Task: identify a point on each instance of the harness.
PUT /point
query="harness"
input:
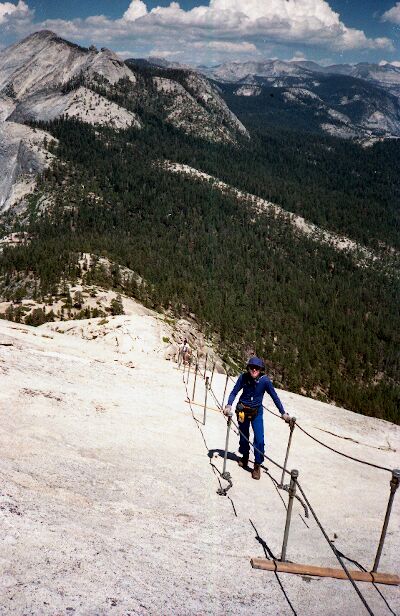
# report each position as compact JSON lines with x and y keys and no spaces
{"x":244,"y":412}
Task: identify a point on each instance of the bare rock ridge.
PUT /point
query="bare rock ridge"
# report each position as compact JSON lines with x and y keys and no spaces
{"x":44,"y":77}
{"x":38,"y":74}
{"x":109,"y":497}
{"x":361,"y":255}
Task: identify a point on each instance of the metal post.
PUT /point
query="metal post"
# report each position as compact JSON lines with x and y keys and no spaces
{"x":292,"y":423}
{"x":205,"y":365}
{"x":292,"y":491}
{"x":195,"y":378}
{"x":212,"y":374}
{"x":228,"y":427}
{"x":394,"y":484}
{"x":226,"y":385}
{"x":188,"y":374}
{"x":205,"y":402}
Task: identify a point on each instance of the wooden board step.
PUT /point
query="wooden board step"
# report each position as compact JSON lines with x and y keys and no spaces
{"x":339,"y":574}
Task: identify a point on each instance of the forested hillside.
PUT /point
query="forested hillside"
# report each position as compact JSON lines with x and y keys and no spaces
{"x":328,"y":327}
{"x":332,"y":182}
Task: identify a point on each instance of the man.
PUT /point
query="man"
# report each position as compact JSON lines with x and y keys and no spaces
{"x":249,"y":409}
{"x":185,"y":352}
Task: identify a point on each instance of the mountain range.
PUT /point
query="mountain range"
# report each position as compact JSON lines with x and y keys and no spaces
{"x":361,"y":101}
{"x":387,"y":76}
{"x":349,"y":101}
{"x":44,"y":77}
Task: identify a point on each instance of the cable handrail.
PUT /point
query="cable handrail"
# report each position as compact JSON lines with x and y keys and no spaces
{"x":340,"y":453}
{"x":324,"y":533}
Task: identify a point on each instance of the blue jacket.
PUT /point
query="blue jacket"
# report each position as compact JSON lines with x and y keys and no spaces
{"x":254,"y":390}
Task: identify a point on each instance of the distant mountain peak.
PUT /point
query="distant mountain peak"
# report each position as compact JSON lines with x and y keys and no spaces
{"x":41,"y":34}
{"x":48,"y":36}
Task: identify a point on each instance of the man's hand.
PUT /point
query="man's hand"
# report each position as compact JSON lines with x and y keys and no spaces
{"x":228,"y":410}
{"x":286,"y":417}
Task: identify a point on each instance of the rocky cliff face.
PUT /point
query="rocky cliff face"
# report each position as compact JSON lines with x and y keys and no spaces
{"x":22,"y":156}
{"x":45,"y":77}
{"x":45,"y":61}
{"x":32,"y":75}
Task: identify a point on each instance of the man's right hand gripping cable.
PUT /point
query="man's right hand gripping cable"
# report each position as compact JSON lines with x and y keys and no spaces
{"x":228,"y":410}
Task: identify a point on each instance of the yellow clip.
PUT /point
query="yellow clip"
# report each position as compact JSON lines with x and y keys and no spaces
{"x":241,"y":416}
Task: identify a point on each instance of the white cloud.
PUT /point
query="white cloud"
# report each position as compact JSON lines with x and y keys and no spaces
{"x":392,"y":14}
{"x":310,"y":22}
{"x":12,"y":13}
{"x":136,"y":9}
{"x":219,"y":27}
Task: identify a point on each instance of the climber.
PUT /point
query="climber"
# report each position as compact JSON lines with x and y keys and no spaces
{"x":254,"y":384}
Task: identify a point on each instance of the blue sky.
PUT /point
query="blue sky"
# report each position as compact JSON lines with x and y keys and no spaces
{"x":211,"y":31}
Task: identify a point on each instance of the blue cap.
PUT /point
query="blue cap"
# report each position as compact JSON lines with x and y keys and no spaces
{"x":257,"y":362}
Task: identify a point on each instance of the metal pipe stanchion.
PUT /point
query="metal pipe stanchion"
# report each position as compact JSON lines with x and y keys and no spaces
{"x":292,"y":424}
{"x":195,"y":378}
{"x":188,"y":373}
{"x":394,"y":484}
{"x":228,"y":427}
{"x":205,"y":402}
{"x":292,"y":491}
{"x":226,"y":385}
{"x":212,"y":374}
{"x":205,"y":365}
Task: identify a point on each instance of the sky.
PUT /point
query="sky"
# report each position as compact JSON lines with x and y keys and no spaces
{"x":215,"y":31}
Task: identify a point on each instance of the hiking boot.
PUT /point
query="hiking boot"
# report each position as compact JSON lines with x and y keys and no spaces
{"x":256,"y":472}
{"x":243,"y":462}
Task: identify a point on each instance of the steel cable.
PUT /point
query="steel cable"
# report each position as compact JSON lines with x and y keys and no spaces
{"x":359,"y":593}
{"x":345,"y":455}
{"x":340,"y":453}
{"x":336,"y":553}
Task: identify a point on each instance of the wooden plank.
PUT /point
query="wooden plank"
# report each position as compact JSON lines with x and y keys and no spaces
{"x":339,"y":574}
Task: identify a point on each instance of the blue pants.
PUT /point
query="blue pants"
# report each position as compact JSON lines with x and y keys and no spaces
{"x":258,"y":428}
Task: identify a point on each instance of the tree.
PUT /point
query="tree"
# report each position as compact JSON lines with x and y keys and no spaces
{"x":78,"y":299}
{"x":36,"y":318}
{"x":116,"y":306}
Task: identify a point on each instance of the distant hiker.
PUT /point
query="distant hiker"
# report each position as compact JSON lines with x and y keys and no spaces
{"x":185,"y":352}
{"x":249,"y":409}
